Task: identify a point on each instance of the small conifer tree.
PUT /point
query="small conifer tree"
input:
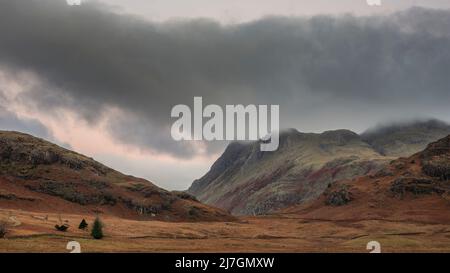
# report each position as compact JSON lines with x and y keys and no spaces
{"x":97,"y":229}
{"x":83,"y":225}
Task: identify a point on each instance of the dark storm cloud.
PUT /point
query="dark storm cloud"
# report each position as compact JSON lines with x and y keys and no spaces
{"x":91,"y":58}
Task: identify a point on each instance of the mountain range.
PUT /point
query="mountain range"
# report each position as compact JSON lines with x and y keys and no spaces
{"x":403,"y":203}
{"x":36,"y":175}
{"x":246,"y":181}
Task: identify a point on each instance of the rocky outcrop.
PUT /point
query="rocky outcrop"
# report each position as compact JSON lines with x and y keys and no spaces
{"x":437,"y":168}
{"x":339,"y":197}
{"x":416,"y":186}
{"x":436,"y":159}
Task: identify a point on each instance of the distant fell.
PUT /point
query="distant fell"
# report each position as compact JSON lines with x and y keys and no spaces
{"x":36,"y":175}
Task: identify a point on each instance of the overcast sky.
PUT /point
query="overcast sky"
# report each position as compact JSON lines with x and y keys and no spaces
{"x":101,"y":78}
{"x":238,"y":11}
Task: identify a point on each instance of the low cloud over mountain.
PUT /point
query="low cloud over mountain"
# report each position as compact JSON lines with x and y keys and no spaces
{"x":321,"y":70}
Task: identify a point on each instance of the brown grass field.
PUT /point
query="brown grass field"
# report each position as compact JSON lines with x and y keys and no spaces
{"x":281,"y":233}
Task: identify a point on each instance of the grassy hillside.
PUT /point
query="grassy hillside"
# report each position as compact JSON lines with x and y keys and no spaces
{"x":37,"y":175}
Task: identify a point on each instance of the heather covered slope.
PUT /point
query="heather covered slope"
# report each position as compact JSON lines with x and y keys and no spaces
{"x":36,"y":175}
{"x":416,"y":188}
{"x":246,"y":181}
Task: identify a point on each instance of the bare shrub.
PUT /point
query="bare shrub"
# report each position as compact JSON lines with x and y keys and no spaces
{"x":62,"y":228}
{"x":4,"y":228}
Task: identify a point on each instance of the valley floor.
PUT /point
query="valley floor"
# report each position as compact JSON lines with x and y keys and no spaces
{"x":283,"y":233}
